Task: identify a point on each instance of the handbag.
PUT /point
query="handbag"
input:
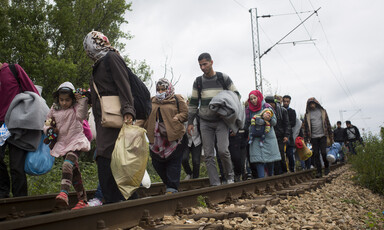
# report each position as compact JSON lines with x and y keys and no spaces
{"x":111,"y":116}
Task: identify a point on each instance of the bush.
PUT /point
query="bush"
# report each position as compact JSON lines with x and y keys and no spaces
{"x":369,"y":164}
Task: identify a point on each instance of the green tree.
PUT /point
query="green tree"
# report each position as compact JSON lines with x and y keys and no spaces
{"x":46,"y":38}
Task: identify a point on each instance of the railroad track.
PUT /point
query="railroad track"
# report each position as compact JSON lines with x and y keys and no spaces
{"x":36,"y":212}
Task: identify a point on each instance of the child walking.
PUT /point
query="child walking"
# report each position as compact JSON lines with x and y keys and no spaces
{"x":68,"y":111}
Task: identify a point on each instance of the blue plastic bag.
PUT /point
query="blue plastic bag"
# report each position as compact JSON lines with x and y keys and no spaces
{"x":40,"y":161}
{"x":333,"y":151}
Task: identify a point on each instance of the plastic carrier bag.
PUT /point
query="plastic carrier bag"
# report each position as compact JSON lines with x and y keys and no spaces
{"x":303,"y":151}
{"x":333,"y":151}
{"x":129,"y":158}
{"x":40,"y":161}
{"x":4,"y":134}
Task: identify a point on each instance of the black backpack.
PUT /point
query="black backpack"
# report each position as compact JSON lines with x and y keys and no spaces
{"x":140,"y":93}
{"x":199,"y":81}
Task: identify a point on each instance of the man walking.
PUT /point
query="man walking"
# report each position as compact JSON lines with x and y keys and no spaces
{"x":13,"y":80}
{"x":282,"y":130}
{"x":317,"y":131}
{"x":352,"y":136}
{"x":292,"y":123}
{"x":212,"y":126}
{"x":339,"y":136}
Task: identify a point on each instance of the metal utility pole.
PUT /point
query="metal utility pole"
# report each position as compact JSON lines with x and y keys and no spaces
{"x":256,"y":50}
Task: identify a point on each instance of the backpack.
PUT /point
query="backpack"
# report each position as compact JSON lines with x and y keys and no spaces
{"x":140,"y":93}
{"x":199,"y":81}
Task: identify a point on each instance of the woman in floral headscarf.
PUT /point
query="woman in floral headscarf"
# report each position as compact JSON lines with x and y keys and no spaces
{"x":262,"y":157}
{"x":166,"y":133}
{"x":111,"y":78}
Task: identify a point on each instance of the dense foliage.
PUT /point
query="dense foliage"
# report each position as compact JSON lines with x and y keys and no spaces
{"x":369,"y":164}
{"x":46,"y":38}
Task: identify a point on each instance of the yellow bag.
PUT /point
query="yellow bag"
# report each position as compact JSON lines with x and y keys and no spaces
{"x":304,"y":153}
{"x":129,"y":158}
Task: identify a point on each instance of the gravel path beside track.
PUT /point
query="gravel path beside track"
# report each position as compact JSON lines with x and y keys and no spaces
{"x":340,"y":204}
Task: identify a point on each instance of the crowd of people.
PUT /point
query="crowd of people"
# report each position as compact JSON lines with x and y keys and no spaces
{"x":236,"y":141}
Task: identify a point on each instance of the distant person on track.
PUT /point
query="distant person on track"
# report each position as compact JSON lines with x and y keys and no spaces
{"x":352,"y":137}
{"x":291,"y":141}
{"x":262,"y":157}
{"x":282,"y":131}
{"x":68,"y":111}
{"x":166,"y":134}
{"x":9,"y":88}
{"x":340,"y":136}
{"x":212,"y":126}
{"x":318,"y":131}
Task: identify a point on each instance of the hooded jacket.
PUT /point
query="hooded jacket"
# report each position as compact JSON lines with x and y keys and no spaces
{"x":325,"y":121}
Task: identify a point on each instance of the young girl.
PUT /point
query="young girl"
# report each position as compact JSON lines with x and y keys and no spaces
{"x":69,"y":111}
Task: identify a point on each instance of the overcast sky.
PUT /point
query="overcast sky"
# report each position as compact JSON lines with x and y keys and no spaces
{"x":342,"y":68}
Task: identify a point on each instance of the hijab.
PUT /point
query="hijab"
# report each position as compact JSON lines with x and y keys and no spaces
{"x":257,"y":107}
{"x":97,"y":45}
{"x":170,"y":91}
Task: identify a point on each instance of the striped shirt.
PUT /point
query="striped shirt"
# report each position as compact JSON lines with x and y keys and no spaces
{"x":210,"y":87}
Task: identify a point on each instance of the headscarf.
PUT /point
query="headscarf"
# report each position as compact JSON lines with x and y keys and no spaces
{"x":97,"y":45}
{"x":170,"y":91}
{"x":257,"y":107}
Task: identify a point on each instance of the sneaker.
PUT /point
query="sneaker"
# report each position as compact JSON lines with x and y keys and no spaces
{"x":188,"y":177}
{"x":230,"y":181}
{"x":81,"y":204}
{"x":62,"y":200}
{"x":94,"y":202}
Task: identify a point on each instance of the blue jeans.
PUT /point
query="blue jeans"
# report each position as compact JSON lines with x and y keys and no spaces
{"x":291,"y":158}
{"x":196,"y":154}
{"x":261,"y":168}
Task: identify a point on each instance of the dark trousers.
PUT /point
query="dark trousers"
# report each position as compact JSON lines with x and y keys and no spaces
{"x":169,"y":169}
{"x":107,"y":182}
{"x":237,"y":154}
{"x":318,"y":148}
{"x":18,"y":178}
{"x":291,"y":158}
{"x":280,"y":166}
{"x":196,"y":155}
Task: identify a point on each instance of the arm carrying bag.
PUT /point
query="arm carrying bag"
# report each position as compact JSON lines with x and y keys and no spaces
{"x":111,"y":116}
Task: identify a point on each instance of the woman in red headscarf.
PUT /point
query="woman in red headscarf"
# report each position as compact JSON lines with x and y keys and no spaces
{"x":261,"y":157}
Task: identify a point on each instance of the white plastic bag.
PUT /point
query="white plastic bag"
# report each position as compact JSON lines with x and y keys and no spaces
{"x":146,"y":182}
{"x":129,"y":158}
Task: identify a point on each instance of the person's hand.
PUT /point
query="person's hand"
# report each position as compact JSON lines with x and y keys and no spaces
{"x":78,"y":96}
{"x":267,"y":116}
{"x":175,"y":118}
{"x":231,"y":133}
{"x":285,"y":139}
{"x":190,"y":130}
{"x":128,"y":118}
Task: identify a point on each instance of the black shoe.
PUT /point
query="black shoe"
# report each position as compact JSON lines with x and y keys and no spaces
{"x":326,"y":171}
{"x":319,"y":175}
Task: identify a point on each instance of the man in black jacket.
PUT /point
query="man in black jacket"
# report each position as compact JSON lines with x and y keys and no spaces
{"x":282,"y":130}
{"x":339,"y":136}
{"x":353,"y":135}
{"x":292,"y":123}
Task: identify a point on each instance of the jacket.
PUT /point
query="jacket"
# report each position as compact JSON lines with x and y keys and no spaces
{"x":339,"y":135}
{"x":292,"y":122}
{"x":228,"y":106}
{"x":352,"y":134}
{"x":325,"y":121}
{"x":116,"y":83}
{"x":283,"y":127}
{"x":25,"y":120}
{"x":168,"y":109}
{"x":9,"y":87}
{"x":69,"y":122}
{"x":269,"y":152}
